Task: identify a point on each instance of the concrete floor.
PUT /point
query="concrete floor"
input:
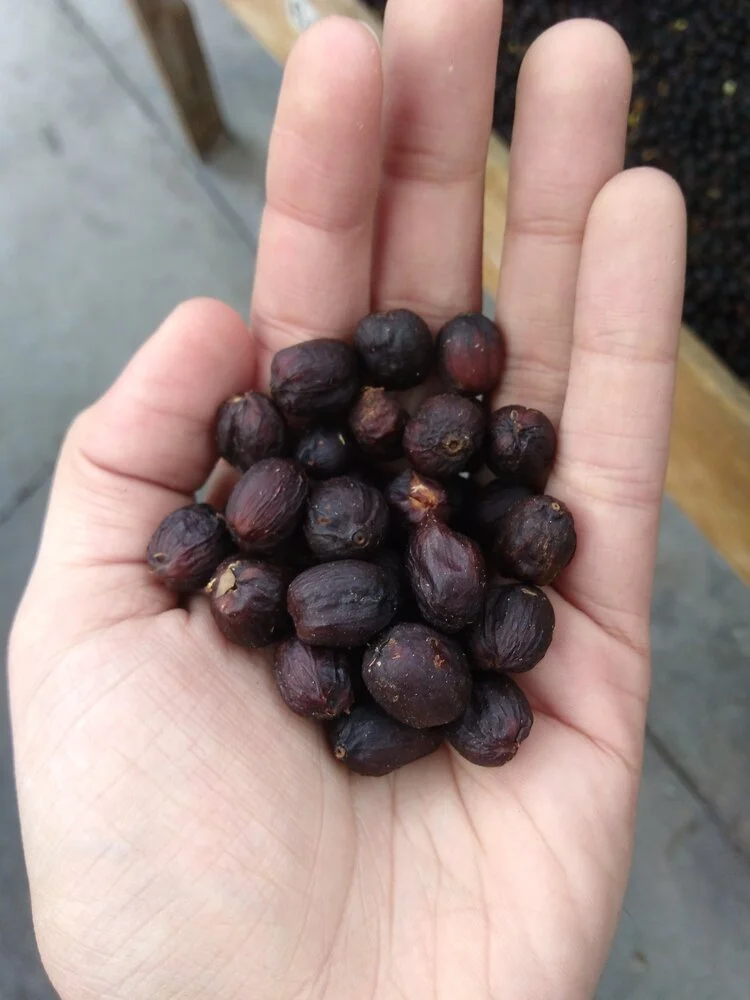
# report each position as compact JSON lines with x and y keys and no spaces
{"x":107,"y":221}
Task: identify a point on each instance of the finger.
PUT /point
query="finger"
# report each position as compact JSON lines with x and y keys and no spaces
{"x":313,"y":271}
{"x":439,"y":63}
{"x":220,"y":483}
{"x":148,"y":443}
{"x":614,"y":432}
{"x":568,"y":141}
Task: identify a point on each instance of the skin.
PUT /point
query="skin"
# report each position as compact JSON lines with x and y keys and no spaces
{"x":185,"y":834}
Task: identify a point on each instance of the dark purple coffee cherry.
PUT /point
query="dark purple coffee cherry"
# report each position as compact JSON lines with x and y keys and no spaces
{"x":447,"y":575}
{"x":248,"y":602}
{"x":266,"y":505}
{"x":413,"y":498}
{"x":536,"y":540}
{"x":370,"y":742}
{"x":444,"y":435}
{"x":345,"y":519}
{"x":248,"y":429}
{"x":313,"y":681}
{"x":515,"y":630}
{"x":470,"y":354}
{"x":187,"y":547}
{"x":417,"y":675}
{"x":377,"y":422}
{"x":521,"y":446}
{"x":396,"y":348}
{"x":324,"y":452}
{"x":341,"y":604}
{"x":497,"y":721}
{"x":315,"y":379}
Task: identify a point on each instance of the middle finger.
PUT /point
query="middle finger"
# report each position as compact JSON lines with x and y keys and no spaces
{"x":439,"y":64}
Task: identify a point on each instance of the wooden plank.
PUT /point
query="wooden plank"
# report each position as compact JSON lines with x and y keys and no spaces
{"x":709,"y":467}
{"x":277,"y":23}
{"x":169,"y":29}
{"x":709,"y":460}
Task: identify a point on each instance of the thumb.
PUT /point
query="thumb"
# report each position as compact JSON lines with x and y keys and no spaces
{"x":136,"y":454}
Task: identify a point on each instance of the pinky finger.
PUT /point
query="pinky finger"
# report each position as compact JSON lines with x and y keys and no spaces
{"x":614,"y":433}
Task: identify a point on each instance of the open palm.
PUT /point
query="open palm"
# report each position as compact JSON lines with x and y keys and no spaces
{"x":185,"y":835}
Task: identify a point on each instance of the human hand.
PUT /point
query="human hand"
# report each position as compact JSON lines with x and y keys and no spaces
{"x":185,"y":835}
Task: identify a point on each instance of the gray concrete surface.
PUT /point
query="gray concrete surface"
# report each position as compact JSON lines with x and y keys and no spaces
{"x":106,"y":221}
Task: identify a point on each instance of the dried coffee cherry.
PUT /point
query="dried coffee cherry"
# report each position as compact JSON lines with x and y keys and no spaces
{"x":345,"y":519}
{"x":447,"y":575}
{"x":341,"y":604}
{"x":267,"y":503}
{"x":315,"y":379}
{"x":536,"y":540}
{"x":521,"y":446}
{"x":396,"y":348}
{"x":417,"y":675}
{"x":495,"y":724}
{"x":444,"y":435}
{"x":377,"y":422}
{"x":413,"y":497}
{"x":187,"y":547}
{"x":324,"y":452}
{"x":248,"y":429}
{"x":313,"y":681}
{"x":515,"y":630}
{"x":470,"y":354}
{"x":248,"y":602}
{"x":370,"y":742}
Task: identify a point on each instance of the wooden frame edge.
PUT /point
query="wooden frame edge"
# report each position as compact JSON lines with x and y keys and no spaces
{"x":169,"y":29}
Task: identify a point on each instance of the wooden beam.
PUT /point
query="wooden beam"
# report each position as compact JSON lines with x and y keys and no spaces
{"x":709,"y":459}
{"x":709,"y":466}
{"x":169,"y":29}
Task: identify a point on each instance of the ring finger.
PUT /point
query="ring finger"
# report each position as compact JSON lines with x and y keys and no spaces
{"x":568,"y":141}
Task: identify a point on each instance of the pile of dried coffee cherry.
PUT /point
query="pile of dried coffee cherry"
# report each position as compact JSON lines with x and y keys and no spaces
{"x":369,"y":572}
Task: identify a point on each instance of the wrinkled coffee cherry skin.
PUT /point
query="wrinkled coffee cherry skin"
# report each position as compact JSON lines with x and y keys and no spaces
{"x":417,"y":675}
{"x":444,"y":435}
{"x":413,"y":497}
{"x":396,"y":348}
{"x":447,"y":574}
{"x":536,"y":540}
{"x":489,"y":507}
{"x":187,"y":547}
{"x":521,"y":446}
{"x":248,"y":429}
{"x":248,"y":602}
{"x":341,"y":604}
{"x":370,"y":742}
{"x":497,"y":721}
{"x":324,"y":452}
{"x":314,"y":682}
{"x":470,"y":354}
{"x":345,"y":519}
{"x":315,"y":379}
{"x":267,"y":503}
{"x":515,"y":630}
{"x":377,"y":422}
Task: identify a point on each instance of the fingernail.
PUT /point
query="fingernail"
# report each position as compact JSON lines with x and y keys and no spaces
{"x":371,"y":29}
